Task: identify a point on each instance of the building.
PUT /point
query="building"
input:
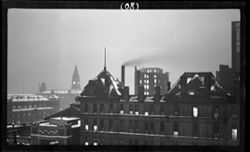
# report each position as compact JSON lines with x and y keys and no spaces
{"x":236,"y":53}
{"x":67,"y":96}
{"x":29,"y":108}
{"x":196,"y":111}
{"x":56,"y":131}
{"x":149,"y":78}
{"x":75,"y":80}
{"x":225,"y":78}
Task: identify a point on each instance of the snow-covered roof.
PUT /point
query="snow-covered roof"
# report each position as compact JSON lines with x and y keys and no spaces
{"x":103,"y":85}
{"x":196,"y":81}
{"x":26,"y":97}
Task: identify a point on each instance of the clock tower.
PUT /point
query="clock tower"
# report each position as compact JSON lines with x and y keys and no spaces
{"x":75,"y":80}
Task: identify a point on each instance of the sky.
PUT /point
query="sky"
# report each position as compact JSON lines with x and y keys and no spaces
{"x":44,"y":45}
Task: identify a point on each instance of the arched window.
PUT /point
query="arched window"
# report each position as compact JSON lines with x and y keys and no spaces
{"x":216,"y":112}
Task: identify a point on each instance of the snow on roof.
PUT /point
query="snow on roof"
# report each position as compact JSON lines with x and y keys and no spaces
{"x":26,"y":97}
{"x":65,"y":118}
{"x":77,"y":125}
{"x":47,"y":124}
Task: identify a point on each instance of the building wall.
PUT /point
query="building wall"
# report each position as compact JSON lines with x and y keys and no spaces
{"x":30,"y":111}
{"x":149,"y":78}
{"x":159,"y":125}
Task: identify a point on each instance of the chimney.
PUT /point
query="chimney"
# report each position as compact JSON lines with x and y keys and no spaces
{"x":183,"y":83}
{"x":169,"y":85}
{"x":141,"y":93}
{"x":157,"y":95}
{"x":126,"y":93}
{"x":123,"y":75}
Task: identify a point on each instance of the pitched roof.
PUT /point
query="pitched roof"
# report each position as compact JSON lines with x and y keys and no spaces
{"x":197,"y":82}
{"x":104,"y":85}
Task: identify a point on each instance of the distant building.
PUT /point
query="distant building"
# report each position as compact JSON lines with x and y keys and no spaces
{"x":75,"y":80}
{"x":56,"y":131}
{"x":149,"y":78}
{"x":43,"y":87}
{"x":225,"y":78}
{"x":28,"y":108}
{"x":67,"y":96}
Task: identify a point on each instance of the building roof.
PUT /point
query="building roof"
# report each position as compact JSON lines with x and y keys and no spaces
{"x":73,"y":111}
{"x":104,"y":85}
{"x":193,"y":82}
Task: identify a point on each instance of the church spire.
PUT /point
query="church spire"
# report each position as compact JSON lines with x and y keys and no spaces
{"x":75,"y":80}
{"x":105,"y":59}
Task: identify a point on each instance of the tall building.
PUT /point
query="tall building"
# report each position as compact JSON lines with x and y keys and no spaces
{"x":149,"y":78}
{"x":236,"y":51}
{"x":236,"y":46}
{"x":75,"y":80}
{"x":225,"y":78}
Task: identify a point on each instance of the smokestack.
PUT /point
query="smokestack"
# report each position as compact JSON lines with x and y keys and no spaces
{"x":141,"y":93}
{"x":123,"y":75}
{"x":183,"y":83}
{"x":157,"y":95}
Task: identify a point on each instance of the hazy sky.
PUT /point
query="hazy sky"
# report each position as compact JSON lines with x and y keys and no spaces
{"x":44,"y":45}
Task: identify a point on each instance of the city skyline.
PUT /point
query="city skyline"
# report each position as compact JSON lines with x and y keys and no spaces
{"x":45,"y":46}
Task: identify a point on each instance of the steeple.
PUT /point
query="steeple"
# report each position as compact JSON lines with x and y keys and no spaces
{"x":105,"y":59}
{"x":75,"y":80}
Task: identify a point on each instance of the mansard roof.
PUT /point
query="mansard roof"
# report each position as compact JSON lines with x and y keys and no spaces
{"x":103,"y":85}
{"x":197,"y":83}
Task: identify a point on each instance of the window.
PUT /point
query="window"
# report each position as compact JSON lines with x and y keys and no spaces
{"x":234,"y":134}
{"x":195,"y":129}
{"x":152,"y":127}
{"x":95,"y":143}
{"x":130,"y":125}
{"x":86,"y":124}
{"x":95,"y":125}
{"x":145,"y":76}
{"x":234,"y":112}
{"x":176,"y":129}
{"x":191,"y":92}
{"x":110,"y":124}
{"x":136,"y":109}
{"x":110,"y":108}
{"x":101,"y":124}
{"x":101,"y":108}
{"x":155,"y":81}
{"x":121,"y":124}
{"x":195,"y":112}
{"x":86,"y":107}
{"x":131,"y":109}
{"x":162,"y":127}
{"x":95,"y":108}
{"x":146,"y":126}
{"x":146,"y":113}
{"x":154,"y":76}
{"x":216,"y":112}
{"x":152,"y":109}
{"x":216,"y":130}
{"x":176,"y":110}
{"x":162,"y":109}
{"x":86,"y":143}
{"x":140,"y":81}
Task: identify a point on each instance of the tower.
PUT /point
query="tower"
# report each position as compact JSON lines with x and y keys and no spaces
{"x":75,"y":80}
